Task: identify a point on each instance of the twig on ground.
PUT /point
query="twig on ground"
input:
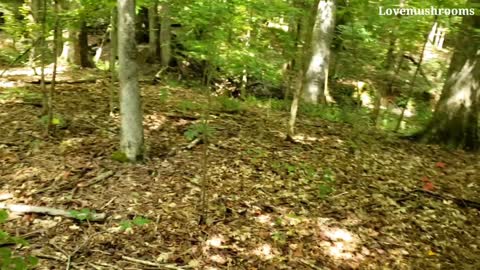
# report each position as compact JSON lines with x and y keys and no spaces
{"x":166,"y":266}
{"x":105,"y":265}
{"x":98,"y":179}
{"x":70,"y":256}
{"x":193,"y":143}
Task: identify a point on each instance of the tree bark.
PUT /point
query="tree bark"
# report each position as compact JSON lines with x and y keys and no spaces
{"x":85,"y":60}
{"x":113,"y":57}
{"x":130,"y":101}
{"x":455,"y":120}
{"x":153,"y":31}
{"x":322,"y":35}
{"x":165,"y":36}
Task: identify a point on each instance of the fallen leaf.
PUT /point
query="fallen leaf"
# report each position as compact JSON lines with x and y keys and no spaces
{"x":440,"y":165}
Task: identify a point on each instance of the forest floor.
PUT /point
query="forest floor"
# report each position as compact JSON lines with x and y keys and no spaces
{"x":343,"y":197}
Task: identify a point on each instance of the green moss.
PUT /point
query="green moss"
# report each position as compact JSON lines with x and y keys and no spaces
{"x":119,"y":156}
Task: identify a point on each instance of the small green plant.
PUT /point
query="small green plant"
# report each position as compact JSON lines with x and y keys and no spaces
{"x":163,"y":95}
{"x":257,"y":154}
{"x":325,"y":187}
{"x":279,"y":237}
{"x":291,"y":168}
{"x":230,"y":105}
{"x":119,"y":156}
{"x":199,"y":130}
{"x":187,"y":106}
{"x":58,"y":121}
{"x":21,"y":93}
{"x":82,"y":215}
{"x":8,"y":261}
{"x":137,"y":221}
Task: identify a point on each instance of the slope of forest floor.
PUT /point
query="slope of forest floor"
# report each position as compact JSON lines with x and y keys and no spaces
{"x":342,"y":198}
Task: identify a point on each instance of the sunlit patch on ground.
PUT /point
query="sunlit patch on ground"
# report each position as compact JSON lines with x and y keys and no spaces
{"x":154,"y":121}
{"x":264,"y":252}
{"x":338,"y":243}
{"x":264,"y":219}
{"x":215,"y":241}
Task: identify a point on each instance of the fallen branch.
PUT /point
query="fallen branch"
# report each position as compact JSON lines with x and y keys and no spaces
{"x":166,"y":266}
{"x":23,"y":208}
{"x":459,"y":201}
{"x":93,"y":80}
{"x":5,"y":196}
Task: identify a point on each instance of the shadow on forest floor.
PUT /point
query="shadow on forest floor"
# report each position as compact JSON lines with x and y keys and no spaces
{"x":341,"y":199}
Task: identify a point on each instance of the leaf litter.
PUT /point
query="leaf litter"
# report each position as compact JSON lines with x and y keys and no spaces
{"x":340,"y":199}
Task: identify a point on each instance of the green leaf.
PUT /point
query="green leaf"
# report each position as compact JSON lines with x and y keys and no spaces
{"x":5,"y":253}
{"x":56,"y":121}
{"x":125,"y":224}
{"x":3,"y":216}
{"x":140,"y":221}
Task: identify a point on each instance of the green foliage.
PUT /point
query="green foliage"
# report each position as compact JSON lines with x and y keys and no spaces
{"x":199,"y":130}
{"x":137,"y":221}
{"x":256,"y":155}
{"x":18,"y":93}
{"x":272,"y":103}
{"x":82,"y":215}
{"x":230,"y":105}
{"x":279,"y":237}
{"x":325,"y":187}
{"x":119,"y":156}
{"x":58,"y":121}
{"x":187,"y":106}
{"x":163,"y":95}
{"x":8,"y":260}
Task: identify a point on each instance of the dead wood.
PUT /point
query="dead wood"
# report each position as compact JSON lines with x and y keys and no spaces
{"x":23,"y":208}
{"x":459,"y":201}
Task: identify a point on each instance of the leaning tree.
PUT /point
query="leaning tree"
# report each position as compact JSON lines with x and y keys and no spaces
{"x":455,"y":120}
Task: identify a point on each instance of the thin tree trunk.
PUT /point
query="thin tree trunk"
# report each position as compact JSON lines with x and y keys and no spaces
{"x":165,"y":36}
{"x":302,"y":53}
{"x":43,"y":60}
{"x":294,"y":109}
{"x":35,"y":19}
{"x":113,"y":57}
{"x":130,"y":100}
{"x":153,"y":32}
{"x":56,"y":45}
{"x":414,"y":79}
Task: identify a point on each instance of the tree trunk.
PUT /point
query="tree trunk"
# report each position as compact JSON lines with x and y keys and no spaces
{"x":153,"y":32}
{"x":35,"y":9}
{"x":83,"y":50}
{"x":43,"y":57}
{"x":113,"y":56}
{"x":56,"y":46}
{"x":130,"y":102}
{"x":455,"y":121}
{"x":322,"y":35}
{"x":165,"y":36}
{"x":301,"y":54}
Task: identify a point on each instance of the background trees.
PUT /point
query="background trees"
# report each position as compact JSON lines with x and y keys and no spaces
{"x":361,"y":63}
